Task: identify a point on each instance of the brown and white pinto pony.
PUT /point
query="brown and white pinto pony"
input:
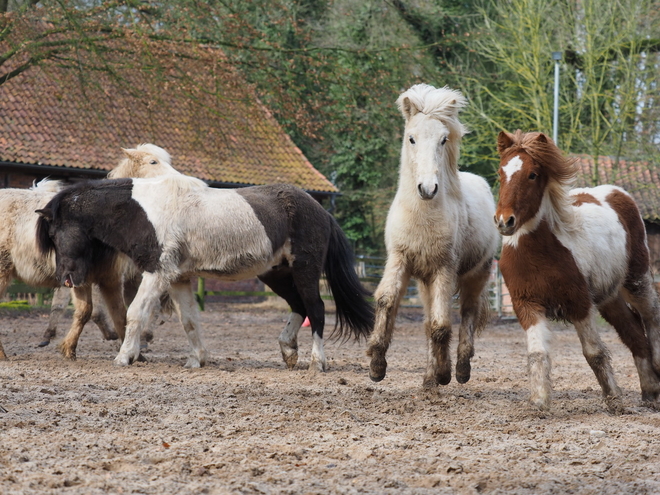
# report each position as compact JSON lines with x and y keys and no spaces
{"x":439,"y":232}
{"x":569,"y":254}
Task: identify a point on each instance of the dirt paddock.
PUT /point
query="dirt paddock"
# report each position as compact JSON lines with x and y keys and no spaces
{"x":245,"y":424}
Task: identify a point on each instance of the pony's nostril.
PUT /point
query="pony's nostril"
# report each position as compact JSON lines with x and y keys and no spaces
{"x":495,"y":219}
{"x":419,"y":188}
{"x":511,"y":221}
{"x":435,"y":190}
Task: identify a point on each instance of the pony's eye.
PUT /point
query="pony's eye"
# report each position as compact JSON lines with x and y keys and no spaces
{"x":153,"y":162}
{"x":532,"y":176}
{"x":412,"y":140}
{"x":444,"y":140}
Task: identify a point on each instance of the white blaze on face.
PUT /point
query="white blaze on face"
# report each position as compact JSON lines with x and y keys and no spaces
{"x":514,"y":165}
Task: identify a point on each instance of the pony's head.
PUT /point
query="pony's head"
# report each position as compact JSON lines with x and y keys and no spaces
{"x":432,"y":137}
{"x":534,"y":180}
{"x":76,"y":252}
{"x":147,"y":160}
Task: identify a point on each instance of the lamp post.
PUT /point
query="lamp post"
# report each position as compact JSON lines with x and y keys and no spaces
{"x":556,"y":56}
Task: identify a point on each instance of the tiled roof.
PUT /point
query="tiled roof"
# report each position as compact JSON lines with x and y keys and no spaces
{"x":640,"y":179}
{"x":215,"y":128}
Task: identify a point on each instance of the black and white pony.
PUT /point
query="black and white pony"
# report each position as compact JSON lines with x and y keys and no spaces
{"x":176,"y":227}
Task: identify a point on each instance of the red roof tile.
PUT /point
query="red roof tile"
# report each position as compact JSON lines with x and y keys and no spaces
{"x":637,"y":177}
{"x":201,"y":112}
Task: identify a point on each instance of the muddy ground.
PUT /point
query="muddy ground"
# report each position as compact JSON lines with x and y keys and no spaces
{"x":245,"y":424}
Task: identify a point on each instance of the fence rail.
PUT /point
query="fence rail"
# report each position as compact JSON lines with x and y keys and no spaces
{"x":369,"y":269}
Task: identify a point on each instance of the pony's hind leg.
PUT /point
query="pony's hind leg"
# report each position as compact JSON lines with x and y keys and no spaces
{"x":307,"y":285}
{"x":629,"y":326}
{"x":643,"y":297}
{"x":281,"y":282}
{"x":82,"y":312}
{"x":186,"y":307}
{"x":600,"y":361}
{"x":475,"y":307}
{"x":437,"y":297}
{"x":387,"y":296}
{"x":61,"y":299}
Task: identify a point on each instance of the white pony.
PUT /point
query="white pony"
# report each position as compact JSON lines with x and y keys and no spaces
{"x":439,"y":231}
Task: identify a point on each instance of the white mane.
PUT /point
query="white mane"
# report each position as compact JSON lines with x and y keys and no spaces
{"x":47,"y":185}
{"x":157,"y":151}
{"x":440,"y":103}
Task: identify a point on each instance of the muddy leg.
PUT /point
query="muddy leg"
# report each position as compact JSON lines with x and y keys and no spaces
{"x":82,"y":304}
{"x":188,"y":311}
{"x":475,"y":307}
{"x":388,"y":296}
{"x":61,"y":299}
{"x":538,"y":361}
{"x":100,"y":315}
{"x":281,"y":282}
{"x":631,"y":331}
{"x":599,"y":359}
{"x":437,"y":297}
{"x":306,"y":280}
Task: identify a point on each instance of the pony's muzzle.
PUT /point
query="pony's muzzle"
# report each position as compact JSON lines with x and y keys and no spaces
{"x":506,"y":228}
{"x":425,"y":194}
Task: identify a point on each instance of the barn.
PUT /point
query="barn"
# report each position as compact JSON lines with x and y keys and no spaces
{"x":56,"y":123}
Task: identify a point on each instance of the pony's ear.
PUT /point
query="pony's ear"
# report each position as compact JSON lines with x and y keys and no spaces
{"x":46,"y":213}
{"x":128,"y":152}
{"x":504,"y":142}
{"x":542,"y":138}
{"x":408,"y":109}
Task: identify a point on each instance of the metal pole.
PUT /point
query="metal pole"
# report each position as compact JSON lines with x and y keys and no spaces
{"x":555,"y":119}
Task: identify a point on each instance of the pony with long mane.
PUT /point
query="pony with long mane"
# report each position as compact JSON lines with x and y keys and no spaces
{"x":569,"y":254}
{"x":439,"y":232}
{"x":175,"y":227}
{"x":21,"y":258}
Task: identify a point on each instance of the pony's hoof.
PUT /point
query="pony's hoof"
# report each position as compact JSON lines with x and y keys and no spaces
{"x":290,"y":360}
{"x":43,"y":343}
{"x":67,"y":353}
{"x":111,"y":336}
{"x":317,"y":367}
{"x":377,"y":369}
{"x":614,"y":405}
{"x":463,"y":371}
{"x":121,"y":361}
{"x":540,"y":404}
{"x":192,"y":363}
{"x":429,"y":383}
{"x":141,"y":359}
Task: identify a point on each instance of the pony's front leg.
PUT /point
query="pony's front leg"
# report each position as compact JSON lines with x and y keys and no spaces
{"x":437,"y":297}
{"x":388,"y":296}
{"x":188,"y":311}
{"x":538,"y":356}
{"x":82,"y":302}
{"x":139,"y":315}
{"x":599,"y":359}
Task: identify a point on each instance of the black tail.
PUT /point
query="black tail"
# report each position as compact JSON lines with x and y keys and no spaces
{"x":354,"y":312}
